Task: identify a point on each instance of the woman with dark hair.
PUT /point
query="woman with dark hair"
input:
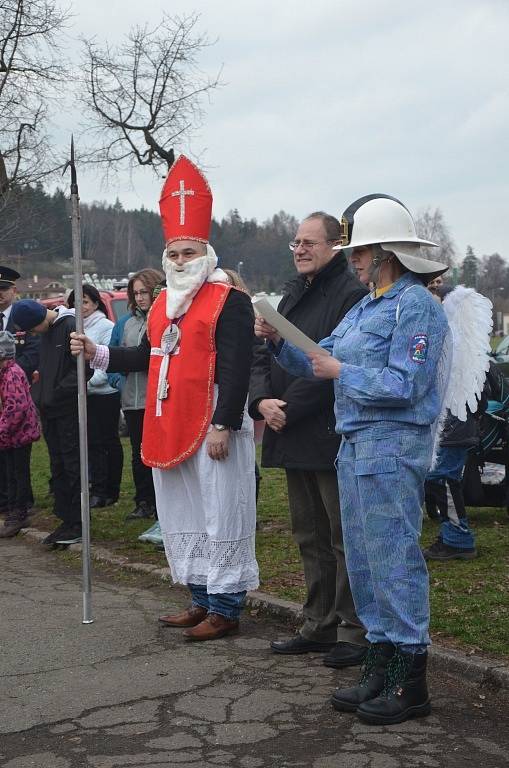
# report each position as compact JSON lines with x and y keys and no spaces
{"x":129,"y":331}
{"x":103,"y":405}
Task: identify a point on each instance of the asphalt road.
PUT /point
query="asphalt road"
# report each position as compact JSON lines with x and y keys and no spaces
{"x":125,"y":692}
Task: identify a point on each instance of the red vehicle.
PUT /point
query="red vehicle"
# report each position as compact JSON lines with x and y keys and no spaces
{"x":115,"y":301}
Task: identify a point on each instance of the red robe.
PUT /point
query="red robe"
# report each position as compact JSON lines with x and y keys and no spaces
{"x":175,"y":435}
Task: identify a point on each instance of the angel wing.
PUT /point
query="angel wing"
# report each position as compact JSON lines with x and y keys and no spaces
{"x":464,"y":361}
{"x":470,"y":321}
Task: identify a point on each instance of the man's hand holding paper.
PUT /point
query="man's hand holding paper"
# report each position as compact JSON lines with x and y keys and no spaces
{"x":263,"y":330}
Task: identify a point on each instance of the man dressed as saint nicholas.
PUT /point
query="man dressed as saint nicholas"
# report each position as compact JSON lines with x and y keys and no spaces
{"x":197,"y":436}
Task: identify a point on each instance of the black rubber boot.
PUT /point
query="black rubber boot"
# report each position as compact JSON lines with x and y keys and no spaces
{"x":371,"y":681}
{"x":405,"y":692}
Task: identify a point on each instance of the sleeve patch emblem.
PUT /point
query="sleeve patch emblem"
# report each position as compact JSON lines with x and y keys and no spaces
{"x":419,"y":348}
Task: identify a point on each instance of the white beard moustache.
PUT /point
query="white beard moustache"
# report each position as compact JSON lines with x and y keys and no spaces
{"x":184,"y":282}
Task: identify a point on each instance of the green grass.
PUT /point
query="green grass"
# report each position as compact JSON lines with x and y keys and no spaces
{"x":108,"y":526}
{"x":469,"y":599}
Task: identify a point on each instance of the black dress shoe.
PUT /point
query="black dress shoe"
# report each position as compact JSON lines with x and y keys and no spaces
{"x":99,"y":501}
{"x":345,"y":655}
{"x":142,"y":511}
{"x":299,"y":644}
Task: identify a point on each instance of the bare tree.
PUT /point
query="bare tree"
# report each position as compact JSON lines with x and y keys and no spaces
{"x":430,"y":225}
{"x":145,"y":96}
{"x":31,"y":70}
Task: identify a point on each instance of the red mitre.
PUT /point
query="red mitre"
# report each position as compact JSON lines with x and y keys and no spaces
{"x":186,"y":203}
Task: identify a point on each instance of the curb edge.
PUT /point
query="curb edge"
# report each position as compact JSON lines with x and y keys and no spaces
{"x":474,"y":668}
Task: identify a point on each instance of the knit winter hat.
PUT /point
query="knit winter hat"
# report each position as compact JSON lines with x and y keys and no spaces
{"x":7,"y":346}
{"x":27,"y":313}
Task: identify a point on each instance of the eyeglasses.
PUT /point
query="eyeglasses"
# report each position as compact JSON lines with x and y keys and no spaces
{"x":307,"y":244}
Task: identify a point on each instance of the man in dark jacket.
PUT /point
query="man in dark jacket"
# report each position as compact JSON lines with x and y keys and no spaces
{"x":300,"y":437}
{"x":27,"y":347}
{"x":27,"y":353}
{"x":57,"y":399}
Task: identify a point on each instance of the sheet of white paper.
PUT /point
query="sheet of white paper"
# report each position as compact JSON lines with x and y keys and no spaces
{"x":285,"y":328}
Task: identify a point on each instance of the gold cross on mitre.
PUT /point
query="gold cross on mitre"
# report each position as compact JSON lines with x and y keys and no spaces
{"x":181,"y":193}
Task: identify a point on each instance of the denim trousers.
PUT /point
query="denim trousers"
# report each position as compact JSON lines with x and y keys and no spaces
{"x":381,"y":476}
{"x":227,"y":604}
{"x":444,"y":490}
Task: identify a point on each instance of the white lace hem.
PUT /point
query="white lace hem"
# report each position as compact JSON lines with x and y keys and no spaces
{"x":221,"y":566}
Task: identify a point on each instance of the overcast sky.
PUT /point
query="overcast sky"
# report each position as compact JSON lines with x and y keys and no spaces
{"x":329,"y":100}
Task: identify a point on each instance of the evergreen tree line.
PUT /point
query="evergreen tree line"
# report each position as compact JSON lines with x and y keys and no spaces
{"x":488,"y":274}
{"x":35,"y":234}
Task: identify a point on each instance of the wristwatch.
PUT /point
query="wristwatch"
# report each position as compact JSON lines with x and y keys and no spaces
{"x":220,"y":427}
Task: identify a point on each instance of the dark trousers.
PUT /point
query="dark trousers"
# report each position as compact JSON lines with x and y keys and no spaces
{"x":17,"y":465}
{"x":4,"y":482}
{"x":316,"y":525}
{"x":106,"y":457}
{"x":142,"y":475}
{"x":62,"y":438}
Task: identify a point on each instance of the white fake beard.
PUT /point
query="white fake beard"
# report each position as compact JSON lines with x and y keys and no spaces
{"x":184,"y":282}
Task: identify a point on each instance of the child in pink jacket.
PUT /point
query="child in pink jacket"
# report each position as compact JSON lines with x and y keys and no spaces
{"x":19,"y":428}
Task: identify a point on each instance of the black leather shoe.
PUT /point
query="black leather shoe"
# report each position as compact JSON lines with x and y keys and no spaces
{"x":345,"y":655}
{"x":405,"y":692}
{"x":142,"y":511}
{"x":299,"y":644}
{"x":98,"y":501}
{"x":371,"y":682}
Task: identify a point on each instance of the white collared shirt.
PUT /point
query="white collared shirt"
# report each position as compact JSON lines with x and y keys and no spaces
{"x":7,"y":314}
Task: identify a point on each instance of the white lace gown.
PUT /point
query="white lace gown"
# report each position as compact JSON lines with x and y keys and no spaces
{"x":207,"y":514}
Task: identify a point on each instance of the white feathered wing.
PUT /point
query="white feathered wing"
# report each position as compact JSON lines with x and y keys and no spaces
{"x":465,"y":357}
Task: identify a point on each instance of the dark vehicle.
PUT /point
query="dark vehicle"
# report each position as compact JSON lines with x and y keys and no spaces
{"x":485,"y":480}
{"x":115,"y":301}
{"x":501,"y":355}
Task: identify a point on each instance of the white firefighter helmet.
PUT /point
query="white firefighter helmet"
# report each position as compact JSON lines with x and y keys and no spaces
{"x":385,"y":220}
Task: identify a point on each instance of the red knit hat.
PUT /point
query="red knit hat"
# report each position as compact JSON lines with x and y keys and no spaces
{"x":186,"y":203}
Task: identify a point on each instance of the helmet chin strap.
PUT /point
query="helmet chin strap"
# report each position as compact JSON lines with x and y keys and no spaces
{"x":380,"y":256}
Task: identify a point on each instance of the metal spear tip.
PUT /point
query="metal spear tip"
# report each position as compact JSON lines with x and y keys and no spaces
{"x":71,"y":164}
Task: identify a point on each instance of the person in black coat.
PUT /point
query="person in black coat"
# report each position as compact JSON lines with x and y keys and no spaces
{"x":27,"y":355}
{"x":300,"y":437}
{"x":57,"y":400}
{"x":232,"y":358}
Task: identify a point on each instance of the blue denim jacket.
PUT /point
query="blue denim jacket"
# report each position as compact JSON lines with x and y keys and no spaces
{"x":389,"y":348}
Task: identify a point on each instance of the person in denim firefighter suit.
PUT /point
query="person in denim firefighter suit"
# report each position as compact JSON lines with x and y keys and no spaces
{"x":383,"y":359}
